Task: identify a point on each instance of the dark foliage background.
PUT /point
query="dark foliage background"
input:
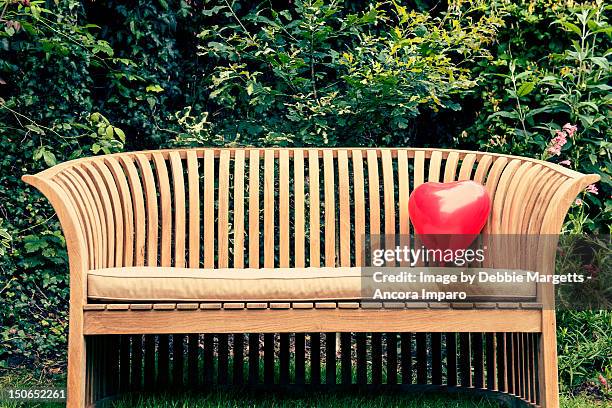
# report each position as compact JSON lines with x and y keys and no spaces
{"x":91,"y":77}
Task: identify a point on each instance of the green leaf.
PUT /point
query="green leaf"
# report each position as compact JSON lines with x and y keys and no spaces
{"x":49,"y":158}
{"x":525,"y":89}
{"x":119,"y":134}
{"x":154,"y":88}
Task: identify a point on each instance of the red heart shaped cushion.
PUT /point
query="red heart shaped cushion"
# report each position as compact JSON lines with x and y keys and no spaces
{"x":449,"y":215}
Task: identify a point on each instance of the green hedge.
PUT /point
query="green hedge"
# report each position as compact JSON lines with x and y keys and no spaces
{"x":83,"y":78}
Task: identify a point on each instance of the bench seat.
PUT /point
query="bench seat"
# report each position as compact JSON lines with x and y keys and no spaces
{"x":167,"y":284}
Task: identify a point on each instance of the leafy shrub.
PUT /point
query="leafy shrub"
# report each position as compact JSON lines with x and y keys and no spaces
{"x":531,"y":91}
{"x":318,"y":74}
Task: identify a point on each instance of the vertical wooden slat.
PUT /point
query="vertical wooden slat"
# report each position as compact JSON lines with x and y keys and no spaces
{"x":403,"y":181}
{"x":329,"y":208}
{"x":450,"y":167}
{"x":223,"y":210}
{"x":419,"y":168}
{"x":483,"y":168}
{"x":374,"y":198}
{"x":509,"y":353}
{"x":239,"y":209}
{"x":283,"y":208}
{"x":519,"y":363}
{"x":238,"y":361}
{"x":376,"y":358}
{"x":436,"y":358}
{"x":90,"y":213}
{"x":165,"y":204}
{"x":451,"y":359}
{"x":298,"y":207}
{"x":533,"y":358}
{"x":345,"y":358}
{"x":126,"y":205}
{"x":151,"y":208}
{"x":193,"y":180}
{"x":284,"y":245}
{"x":268,"y":202}
{"x":345,"y":210}
{"x":406,"y":357}
{"x":359,"y":198}
{"x":209,"y":208}
{"x":117,"y":208}
{"x":253,"y":209}
{"x":421,"y":349}
{"x":467,"y":166}
{"x":500,"y":343}
{"x":330,"y":358}
{"x":465,"y":361}
{"x":315,"y":358}
{"x":209,"y":362}
{"x":193,"y":351}
{"x":315,"y":212}
{"x":435,"y":164}
{"x":490,"y":360}
{"x":177,"y":360}
{"x":178,"y":185}
{"x":139,"y":209}
{"x":391,"y":358}
{"x":97,"y":184}
{"x":389,"y":199}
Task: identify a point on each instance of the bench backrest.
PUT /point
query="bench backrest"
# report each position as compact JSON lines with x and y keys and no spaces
{"x":220,"y":208}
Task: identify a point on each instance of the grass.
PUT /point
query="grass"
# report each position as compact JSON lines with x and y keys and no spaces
{"x":282,"y":400}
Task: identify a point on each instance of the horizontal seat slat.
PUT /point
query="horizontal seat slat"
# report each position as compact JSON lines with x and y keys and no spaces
{"x":238,"y":319}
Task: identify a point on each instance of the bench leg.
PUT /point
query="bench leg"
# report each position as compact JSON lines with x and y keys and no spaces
{"x":548,"y":375}
{"x":76,"y":362}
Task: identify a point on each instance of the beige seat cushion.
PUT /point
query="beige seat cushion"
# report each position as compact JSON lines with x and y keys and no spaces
{"x":184,"y":284}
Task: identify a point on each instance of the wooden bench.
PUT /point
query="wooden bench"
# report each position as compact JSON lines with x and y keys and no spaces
{"x":294,"y":208}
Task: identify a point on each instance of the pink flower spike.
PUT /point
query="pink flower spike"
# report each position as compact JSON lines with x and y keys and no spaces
{"x":570,"y":129}
{"x":578,"y":201}
{"x":565,"y":163}
{"x":592,"y":188}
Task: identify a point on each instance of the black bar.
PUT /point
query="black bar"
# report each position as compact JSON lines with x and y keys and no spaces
{"x":376,"y":358}
{"x":330,"y":358}
{"x":315,"y":358}
{"x":490,"y":359}
{"x":149,"y":362}
{"x":283,"y":357}
{"x":177,"y":360}
{"x":193,"y":351}
{"x":163,"y":360}
{"x":406,"y":359}
{"x":362,"y":364}
{"x":253,"y":359}
{"x":451,"y":359}
{"x":478,"y":360}
{"x":391,"y":358}
{"x":421,"y":346}
{"x":238,"y":361}
{"x":345,"y":358}
{"x":268,"y":358}
{"x":300,"y":358}
{"x":222,"y":360}
{"x":209,"y":353}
